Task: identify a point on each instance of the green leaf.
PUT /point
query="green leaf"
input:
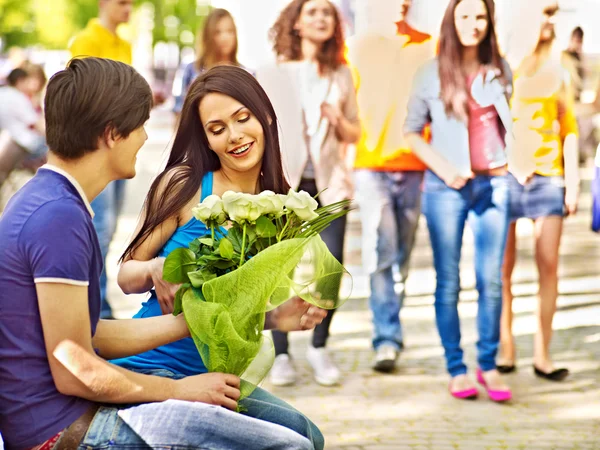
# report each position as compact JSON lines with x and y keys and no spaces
{"x":196,"y":278}
{"x":207,"y":241}
{"x":226,"y":248}
{"x":235,"y":236}
{"x":177,"y":265}
{"x":265,"y":228}
{"x":178,"y":305}
{"x":224,"y":264}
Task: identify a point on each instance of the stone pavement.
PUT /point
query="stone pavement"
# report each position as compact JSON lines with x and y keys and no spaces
{"x":411,"y":408}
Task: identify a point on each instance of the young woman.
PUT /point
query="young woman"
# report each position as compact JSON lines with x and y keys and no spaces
{"x":217,"y":44}
{"x":227,"y":140}
{"x":464,"y":94}
{"x":548,"y":186}
{"x":309,"y":44}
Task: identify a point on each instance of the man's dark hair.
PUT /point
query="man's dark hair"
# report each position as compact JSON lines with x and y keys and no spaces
{"x":91,"y":97}
{"x":577,"y":33}
{"x":15,"y":76}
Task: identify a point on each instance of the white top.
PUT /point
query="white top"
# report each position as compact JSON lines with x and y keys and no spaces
{"x":17,"y":117}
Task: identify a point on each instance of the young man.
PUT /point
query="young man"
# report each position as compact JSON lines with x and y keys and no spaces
{"x":54,"y":376}
{"x":387,"y":175}
{"x":100,"y":39}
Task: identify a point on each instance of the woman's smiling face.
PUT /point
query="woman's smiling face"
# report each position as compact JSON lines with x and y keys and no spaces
{"x":233,"y":132}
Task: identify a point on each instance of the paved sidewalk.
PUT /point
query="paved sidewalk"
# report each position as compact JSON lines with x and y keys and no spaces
{"x":411,"y":409}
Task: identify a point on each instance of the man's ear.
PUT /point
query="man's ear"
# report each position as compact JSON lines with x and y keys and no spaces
{"x":110,"y":136}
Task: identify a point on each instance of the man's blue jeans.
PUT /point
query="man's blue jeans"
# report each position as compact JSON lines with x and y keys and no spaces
{"x":390,"y":205}
{"x":267,"y":423}
{"x":176,"y":424}
{"x":484,"y":203}
{"x":107,"y":207}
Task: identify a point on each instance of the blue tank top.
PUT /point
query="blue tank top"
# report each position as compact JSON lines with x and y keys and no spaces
{"x":180,"y":357}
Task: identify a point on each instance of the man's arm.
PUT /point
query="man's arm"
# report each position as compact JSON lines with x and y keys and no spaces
{"x":79,"y":372}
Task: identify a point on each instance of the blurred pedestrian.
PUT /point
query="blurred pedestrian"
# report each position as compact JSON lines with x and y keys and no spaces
{"x":547,"y":188}
{"x":309,"y":43}
{"x":216,"y":44}
{"x":22,"y":129}
{"x":464,"y":94}
{"x":387,"y":175}
{"x":100,"y":39}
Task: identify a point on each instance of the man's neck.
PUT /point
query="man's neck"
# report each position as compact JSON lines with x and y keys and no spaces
{"x":107,"y":23}
{"x":81,"y":169}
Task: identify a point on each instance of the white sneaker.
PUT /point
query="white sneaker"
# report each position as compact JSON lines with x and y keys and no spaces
{"x":385,"y":358}
{"x":326,"y":372}
{"x":283,"y":372}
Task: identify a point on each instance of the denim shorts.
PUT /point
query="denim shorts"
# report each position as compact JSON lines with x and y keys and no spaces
{"x":542,"y":196}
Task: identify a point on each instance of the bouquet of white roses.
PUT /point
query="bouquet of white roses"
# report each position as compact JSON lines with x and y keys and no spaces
{"x":244,"y":267}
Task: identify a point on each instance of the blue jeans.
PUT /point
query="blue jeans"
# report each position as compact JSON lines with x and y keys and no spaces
{"x":265,"y":407}
{"x":107,"y":207}
{"x":390,"y":205}
{"x":176,"y":424}
{"x":484,"y":203}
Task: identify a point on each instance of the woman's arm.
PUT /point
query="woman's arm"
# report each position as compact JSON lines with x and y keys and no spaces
{"x":142,"y":270}
{"x":570,"y":134}
{"x":345,"y":121}
{"x":417,"y":118}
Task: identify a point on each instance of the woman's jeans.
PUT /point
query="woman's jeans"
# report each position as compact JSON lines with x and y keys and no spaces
{"x":484,"y":203}
{"x":333,"y":236}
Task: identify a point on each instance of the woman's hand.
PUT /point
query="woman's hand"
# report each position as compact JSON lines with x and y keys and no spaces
{"x":165,"y":292}
{"x":456,"y":181}
{"x":331,"y":113}
{"x":571,"y":200}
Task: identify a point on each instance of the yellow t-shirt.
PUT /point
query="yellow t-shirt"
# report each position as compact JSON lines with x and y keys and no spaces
{"x":383,"y":91}
{"x":543,"y":111}
{"x":96,"y":40}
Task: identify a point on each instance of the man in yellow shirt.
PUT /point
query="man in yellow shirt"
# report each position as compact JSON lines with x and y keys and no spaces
{"x":100,"y":39}
{"x":387,"y":175}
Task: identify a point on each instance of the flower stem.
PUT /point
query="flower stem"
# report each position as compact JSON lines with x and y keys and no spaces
{"x":212,"y":232}
{"x":283,"y":231}
{"x":243,"y":245}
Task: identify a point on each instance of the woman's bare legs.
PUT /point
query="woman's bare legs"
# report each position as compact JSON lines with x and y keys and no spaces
{"x":548,"y":231}
{"x":507,"y":352}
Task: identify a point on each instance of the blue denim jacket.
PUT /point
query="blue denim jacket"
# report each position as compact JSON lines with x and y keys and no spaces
{"x":449,"y":135}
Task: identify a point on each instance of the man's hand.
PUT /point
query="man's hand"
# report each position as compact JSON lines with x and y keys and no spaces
{"x":295,"y":315}
{"x":220,"y":389}
{"x":165,"y":292}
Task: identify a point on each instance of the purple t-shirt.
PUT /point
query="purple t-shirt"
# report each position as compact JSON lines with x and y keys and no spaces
{"x":47,"y":236}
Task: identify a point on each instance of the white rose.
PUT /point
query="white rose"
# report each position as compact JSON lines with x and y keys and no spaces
{"x":270,"y":203}
{"x":240,"y":207}
{"x":210,"y":209}
{"x":302,"y":204}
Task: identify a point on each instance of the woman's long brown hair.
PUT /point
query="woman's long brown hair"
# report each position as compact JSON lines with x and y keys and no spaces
{"x":453,"y":82}
{"x":206,"y":48}
{"x":191,"y":158}
{"x":287,"y":41}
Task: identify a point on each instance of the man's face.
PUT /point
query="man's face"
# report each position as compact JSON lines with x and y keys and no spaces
{"x":118,"y":11}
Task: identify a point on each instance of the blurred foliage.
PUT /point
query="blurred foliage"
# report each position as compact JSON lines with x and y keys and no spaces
{"x":51,"y":23}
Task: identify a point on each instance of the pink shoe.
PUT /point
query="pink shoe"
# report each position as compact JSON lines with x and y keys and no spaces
{"x":466,"y":394}
{"x":496,"y":396}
